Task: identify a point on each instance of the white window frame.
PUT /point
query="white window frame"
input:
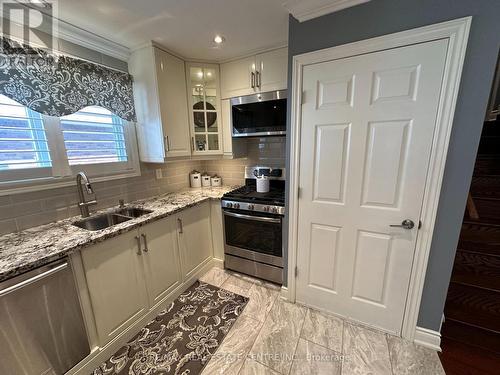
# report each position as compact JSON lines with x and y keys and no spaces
{"x":61,"y":173}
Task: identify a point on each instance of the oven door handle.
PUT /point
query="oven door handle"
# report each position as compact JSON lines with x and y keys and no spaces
{"x":255,"y":218}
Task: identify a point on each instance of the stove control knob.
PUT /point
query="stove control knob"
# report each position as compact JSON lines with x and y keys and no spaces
{"x":236,"y":205}
{"x":274,"y":210}
{"x":251,"y":207}
{"x":266,"y":208}
{"x":229,"y":205}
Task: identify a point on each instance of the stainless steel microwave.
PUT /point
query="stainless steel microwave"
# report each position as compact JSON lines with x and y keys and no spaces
{"x":259,"y":115}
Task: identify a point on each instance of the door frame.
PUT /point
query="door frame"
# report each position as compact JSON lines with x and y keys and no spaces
{"x":457,"y":33}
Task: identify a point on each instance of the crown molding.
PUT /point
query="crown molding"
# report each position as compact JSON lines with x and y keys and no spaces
{"x":84,"y":38}
{"x":304,"y":10}
{"x":71,"y":33}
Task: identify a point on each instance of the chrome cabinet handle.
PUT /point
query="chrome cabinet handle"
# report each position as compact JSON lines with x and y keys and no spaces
{"x":145,"y":242}
{"x":258,"y":79}
{"x":406,"y":224}
{"x":181,"y":229}
{"x":253,"y":79}
{"x":138,"y":239}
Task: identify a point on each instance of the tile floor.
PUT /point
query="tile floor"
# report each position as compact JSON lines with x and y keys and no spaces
{"x":273,"y":336}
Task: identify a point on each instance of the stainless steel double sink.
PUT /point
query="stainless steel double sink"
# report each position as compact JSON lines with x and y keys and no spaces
{"x":106,"y":220}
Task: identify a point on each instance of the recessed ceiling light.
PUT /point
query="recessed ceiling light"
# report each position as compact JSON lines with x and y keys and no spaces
{"x":219,"y":39}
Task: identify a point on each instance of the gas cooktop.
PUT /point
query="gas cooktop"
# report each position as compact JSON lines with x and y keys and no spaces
{"x":247,"y":198}
{"x":248,"y":193}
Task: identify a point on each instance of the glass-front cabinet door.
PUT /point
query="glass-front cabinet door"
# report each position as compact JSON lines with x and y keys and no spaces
{"x":204,"y":104}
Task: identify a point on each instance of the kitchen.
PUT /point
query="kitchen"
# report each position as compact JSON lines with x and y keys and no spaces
{"x":212,"y":200}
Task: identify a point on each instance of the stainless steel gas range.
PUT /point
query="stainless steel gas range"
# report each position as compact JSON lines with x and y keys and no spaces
{"x":253,"y":224}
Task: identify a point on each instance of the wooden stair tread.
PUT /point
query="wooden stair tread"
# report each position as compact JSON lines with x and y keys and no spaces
{"x":474,"y":306}
{"x":471,"y":335}
{"x":479,"y":238}
{"x":477,"y":269}
{"x":488,"y":210}
{"x":487,"y":165}
{"x":462,"y":359}
{"x":481,"y":222}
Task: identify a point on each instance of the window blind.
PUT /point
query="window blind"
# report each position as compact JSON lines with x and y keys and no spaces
{"x":23,"y":143}
{"x":94,"y":135}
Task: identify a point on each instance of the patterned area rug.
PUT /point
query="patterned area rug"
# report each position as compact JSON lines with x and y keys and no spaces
{"x":182,"y":338}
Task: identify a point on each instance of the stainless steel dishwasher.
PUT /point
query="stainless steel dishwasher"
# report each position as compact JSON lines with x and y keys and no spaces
{"x":41,"y":323}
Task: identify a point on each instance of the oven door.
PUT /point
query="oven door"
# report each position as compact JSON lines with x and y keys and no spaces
{"x":254,"y":237}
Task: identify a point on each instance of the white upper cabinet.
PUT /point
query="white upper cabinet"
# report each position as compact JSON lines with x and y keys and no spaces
{"x":204,"y":104}
{"x":272,"y":68}
{"x":170,"y":72}
{"x":233,"y":147}
{"x":259,"y":73}
{"x":238,"y":77}
{"x":161,"y":104}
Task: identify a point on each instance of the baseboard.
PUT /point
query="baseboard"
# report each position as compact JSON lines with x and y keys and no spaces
{"x":428,"y":338}
{"x":284,"y":293}
{"x":219,"y":263}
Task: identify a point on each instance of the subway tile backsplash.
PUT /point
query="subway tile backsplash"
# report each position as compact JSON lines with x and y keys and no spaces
{"x":26,"y":210}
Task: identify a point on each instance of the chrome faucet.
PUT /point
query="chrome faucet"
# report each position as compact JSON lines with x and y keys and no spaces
{"x":82,"y":204}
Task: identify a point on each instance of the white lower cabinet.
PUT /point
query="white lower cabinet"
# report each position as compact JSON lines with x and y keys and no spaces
{"x":129,"y":275}
{"x":161,"y":260}
{"x":195,"y":238}
{"x":116,"y":285}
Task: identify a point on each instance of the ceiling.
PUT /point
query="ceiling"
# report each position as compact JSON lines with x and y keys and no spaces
{"x":186,"y":27}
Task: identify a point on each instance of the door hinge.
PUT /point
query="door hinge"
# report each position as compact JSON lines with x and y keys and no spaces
{"x":296,"y":271}
{"x":303,"y":98}
{"x":299,"y":192}
{"x":419,"y":224}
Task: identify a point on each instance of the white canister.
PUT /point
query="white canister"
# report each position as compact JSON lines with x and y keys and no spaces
{"x":216,"y":181}
{"x":205,"y":180}
{"x":195,"y":179}
{"x":262,"y":184}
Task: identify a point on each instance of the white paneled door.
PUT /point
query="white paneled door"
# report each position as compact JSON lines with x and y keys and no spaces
{"x":366,"y":136}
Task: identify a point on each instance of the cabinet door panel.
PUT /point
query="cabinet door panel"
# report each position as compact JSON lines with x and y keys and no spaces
{"x":149,"y":126}
{"x":116,"y":286}
{"x":236,"y":77}
{"x":195,"y":241}
{"x":273,"y":67}
{"x":161,"y":261}
{"x":170,"y":72}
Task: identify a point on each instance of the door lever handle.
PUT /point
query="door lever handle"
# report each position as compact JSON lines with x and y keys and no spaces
{"x":406,"y":224}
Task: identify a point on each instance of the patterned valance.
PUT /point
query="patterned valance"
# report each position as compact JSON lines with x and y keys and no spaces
{"x":61,"y":85}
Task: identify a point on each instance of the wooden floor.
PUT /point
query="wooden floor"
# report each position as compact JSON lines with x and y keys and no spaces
{"x":471,"y":331}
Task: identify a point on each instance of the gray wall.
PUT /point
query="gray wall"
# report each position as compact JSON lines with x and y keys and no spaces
{"x":380,"y":17}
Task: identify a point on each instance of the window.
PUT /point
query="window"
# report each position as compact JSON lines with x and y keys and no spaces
{"x":23,"y":143}
{"x":94,"y":135}
{"x":35,"y":146}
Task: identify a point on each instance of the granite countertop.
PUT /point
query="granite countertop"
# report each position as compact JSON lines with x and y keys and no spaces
{"x":23,"y":251}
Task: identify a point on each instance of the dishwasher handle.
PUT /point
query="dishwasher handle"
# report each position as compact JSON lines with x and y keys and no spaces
{"x":52,"y":270}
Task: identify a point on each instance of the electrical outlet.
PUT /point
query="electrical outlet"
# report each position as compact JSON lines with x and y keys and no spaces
{"x":159,"y":174}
